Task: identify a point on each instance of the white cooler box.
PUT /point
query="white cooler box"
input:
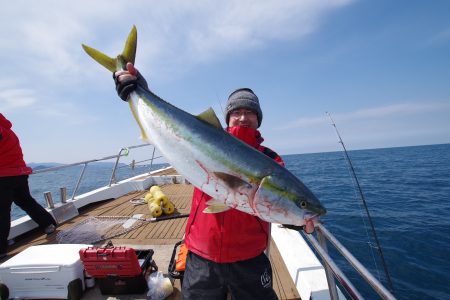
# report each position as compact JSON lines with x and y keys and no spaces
{"x":44,"y":272}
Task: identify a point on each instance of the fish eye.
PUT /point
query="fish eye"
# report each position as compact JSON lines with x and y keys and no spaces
{"x":303,"y":204}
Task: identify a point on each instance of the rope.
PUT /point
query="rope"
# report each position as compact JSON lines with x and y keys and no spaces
{"x":99,"y":228}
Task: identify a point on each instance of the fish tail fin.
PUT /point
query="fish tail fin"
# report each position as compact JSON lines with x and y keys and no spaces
{"x":114,"y":64}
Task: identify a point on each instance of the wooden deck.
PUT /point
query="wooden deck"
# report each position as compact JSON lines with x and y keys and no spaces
{"x":159,"y":236}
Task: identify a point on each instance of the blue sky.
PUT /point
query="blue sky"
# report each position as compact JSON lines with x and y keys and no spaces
{"x":381,"y":68}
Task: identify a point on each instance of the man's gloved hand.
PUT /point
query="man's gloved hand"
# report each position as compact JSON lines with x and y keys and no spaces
{"x":127,"y":80}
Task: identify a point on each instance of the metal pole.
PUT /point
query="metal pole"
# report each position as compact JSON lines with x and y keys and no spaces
{"x":63,"y":194}
{"x":151,"y":162}
{"x":113,"y":174}
{"x":349,"y":287}
{"x":49,"y":200}
{"x":84,"y":162}
{"x":269,"y":239}
{"x":368,"y":277}
{"x":78,"y":182}
{"x":330,"y":278}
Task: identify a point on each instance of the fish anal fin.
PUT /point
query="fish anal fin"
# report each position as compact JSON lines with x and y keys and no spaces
{"x":209,"y":116}
{"x":145,"y":138}
{"x":143,"y":135}
{"x":215,"y":209}
{"x":214,"y":202}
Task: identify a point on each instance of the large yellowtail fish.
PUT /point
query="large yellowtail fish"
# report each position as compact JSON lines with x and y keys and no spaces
{"x":233,"y":173}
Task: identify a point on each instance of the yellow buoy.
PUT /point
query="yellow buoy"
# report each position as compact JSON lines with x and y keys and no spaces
{"x":148,"y":197}
{"x":168,"y":208}
{"x":159,"y":196}
{"x":155,"y":209}
{"x":154,"y":188}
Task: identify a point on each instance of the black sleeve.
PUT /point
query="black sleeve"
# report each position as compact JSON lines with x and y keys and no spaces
{"x":270,"y":153}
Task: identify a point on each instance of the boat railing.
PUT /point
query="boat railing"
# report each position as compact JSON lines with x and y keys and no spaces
{"x":122,"y":152}
{"x":320,"y":244}
{"x":333,"y":272}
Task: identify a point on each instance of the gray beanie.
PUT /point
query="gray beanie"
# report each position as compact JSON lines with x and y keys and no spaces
{"x":243,"y":98}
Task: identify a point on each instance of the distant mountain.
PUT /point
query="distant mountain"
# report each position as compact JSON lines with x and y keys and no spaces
{"x":40,"y":166}
{"x":106,"y":163}
{"x":46,"y":165}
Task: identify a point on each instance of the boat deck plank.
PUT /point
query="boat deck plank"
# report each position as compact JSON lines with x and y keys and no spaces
{"x":160,"y":236}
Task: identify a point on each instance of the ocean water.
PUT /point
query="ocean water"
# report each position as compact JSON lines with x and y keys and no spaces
{"x":407,"y":191}
{"x":95,"y":175}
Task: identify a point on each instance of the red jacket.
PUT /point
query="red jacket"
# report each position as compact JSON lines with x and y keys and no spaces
{"x":11,"y":157}
{"x":231,"y":235}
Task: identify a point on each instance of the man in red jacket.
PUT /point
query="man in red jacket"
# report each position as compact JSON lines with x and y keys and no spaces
{"x":14,"y":186}
{"x":226,"y":250}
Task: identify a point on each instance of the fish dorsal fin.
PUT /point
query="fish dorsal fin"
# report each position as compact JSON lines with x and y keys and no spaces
{"x":232,"y":181}
{"x":215,"y":206}
{"x":209,"y":116}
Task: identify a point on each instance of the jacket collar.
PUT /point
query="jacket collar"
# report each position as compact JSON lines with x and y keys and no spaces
{"x":248,"y":135}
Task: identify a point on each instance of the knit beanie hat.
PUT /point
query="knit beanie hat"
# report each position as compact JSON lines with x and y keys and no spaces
{"x":243,"y":98}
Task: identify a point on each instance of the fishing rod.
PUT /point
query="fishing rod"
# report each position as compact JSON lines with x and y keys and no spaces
{"x":388,"y":277}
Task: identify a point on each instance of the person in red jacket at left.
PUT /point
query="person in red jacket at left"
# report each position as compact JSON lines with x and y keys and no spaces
{"x":14,"y":186}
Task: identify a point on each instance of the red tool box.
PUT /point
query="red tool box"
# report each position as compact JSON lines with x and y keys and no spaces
{"x":118,"y":270}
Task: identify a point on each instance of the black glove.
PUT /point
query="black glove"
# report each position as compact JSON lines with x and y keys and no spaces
{"x":293,"y":227}
{"x":125,"y":87}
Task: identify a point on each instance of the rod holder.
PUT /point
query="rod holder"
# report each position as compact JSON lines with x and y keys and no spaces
{"x":49,"y":199}
{"x":63,"y":194}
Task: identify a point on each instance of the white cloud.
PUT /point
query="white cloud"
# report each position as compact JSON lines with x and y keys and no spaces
{"x":216,"y":29}
{"x":398,"y":110}
{"x":439,"y":38}
{"x":11,"y":99}
{"x":51,"y":77}
{"x":48,"y":33}
{"x":395,"y":109}
{"x":385,"y":126}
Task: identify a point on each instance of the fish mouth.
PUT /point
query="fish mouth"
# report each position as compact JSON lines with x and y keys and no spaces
{"x":320,"y":210}
{"x":311,"y":217}
{"x":316,"y":208}
{"x":315,"y":212}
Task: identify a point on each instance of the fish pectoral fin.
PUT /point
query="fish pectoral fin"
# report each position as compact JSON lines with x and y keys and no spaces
{"x":232,"y":181}
{"x":209,"y":116}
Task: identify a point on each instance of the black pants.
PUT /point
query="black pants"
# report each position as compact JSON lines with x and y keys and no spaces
{"x":15,"y":189}
{"x":249,"y":279}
